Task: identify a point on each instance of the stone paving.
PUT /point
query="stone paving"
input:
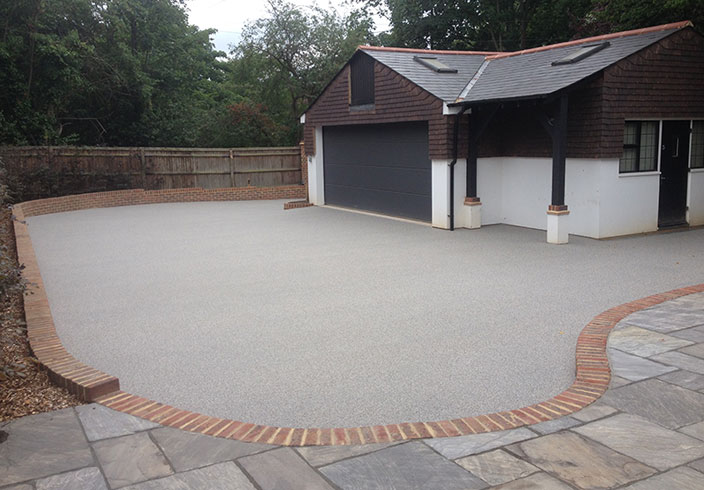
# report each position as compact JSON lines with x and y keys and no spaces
{"x":646,"y":432}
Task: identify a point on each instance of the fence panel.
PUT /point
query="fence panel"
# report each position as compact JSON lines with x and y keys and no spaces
{"x":90,"y":169}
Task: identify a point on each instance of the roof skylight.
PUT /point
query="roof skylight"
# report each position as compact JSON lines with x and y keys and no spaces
{"x":581,"y":53}
{"x":434,"y":64}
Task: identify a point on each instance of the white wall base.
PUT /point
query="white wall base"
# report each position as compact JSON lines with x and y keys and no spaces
{"x":557,"y":226}
{"x":316,"y":178}
{"x":695,"y":201}
{"x":440,"y":171}
{"x":603,"y":203}
{"x":472,"y":215}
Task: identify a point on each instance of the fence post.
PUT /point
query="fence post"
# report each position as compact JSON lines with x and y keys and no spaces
{"x":143,"y":167}
{"x":232,"y":168}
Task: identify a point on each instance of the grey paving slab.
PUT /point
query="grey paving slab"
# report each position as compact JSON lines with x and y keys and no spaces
{"x":323,"y":455}
{"x":555,"y":425}
{"x":694,"y":430}
{"x":223,"y":476}
{"x":635,"y":368}
{"x":642,"y":342}
{"x":696,"y":350}
{"x":538,"y":481}
{"x":695,"y":334}
{"x":22,"y":486}
{"x":665,"y":404}
{"x":685,"y":379}
{"x":698,"y":465}
{"x":497,"y":467}
{"x":100,"y":422}
{"x":580,"y":461}
{"x":186,"y":450}
{"x":408,"y":466}
{"x":131,"y":459}
{"x":282,"y":468}
{"x":618,"y":381}
{"x":458,"y":447}
{"x":682,"y":361}
{"x":177,"y":288}
{"x":83,"y":479}
{"x":643,"y":440}
{"x":680,"y":478}
{"x":42,"y":445}
{"x":594,"y":411}
{"x":668,"y":317}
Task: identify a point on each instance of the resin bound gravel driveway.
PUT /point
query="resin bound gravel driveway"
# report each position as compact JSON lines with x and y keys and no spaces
{"x":321,"y":317}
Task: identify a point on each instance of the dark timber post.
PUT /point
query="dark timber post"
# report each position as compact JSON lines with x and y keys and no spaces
{"x":559,"y":155}
{"x":478,"y":122}
{"x":556,"y":126}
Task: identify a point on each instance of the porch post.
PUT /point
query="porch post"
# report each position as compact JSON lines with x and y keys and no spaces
{"x":478,"y":122}
{"x":557,"y":210}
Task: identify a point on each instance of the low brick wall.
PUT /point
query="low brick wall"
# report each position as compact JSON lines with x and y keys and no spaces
{"x":140,"y":196}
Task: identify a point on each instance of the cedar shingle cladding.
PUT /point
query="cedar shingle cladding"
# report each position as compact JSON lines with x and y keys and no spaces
{"x":663,"y":81}
{"x":396,"y":100}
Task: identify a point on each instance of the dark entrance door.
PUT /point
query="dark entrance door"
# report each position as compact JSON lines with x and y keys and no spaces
{"x":674,"y":162}
{"x":379,"y":167}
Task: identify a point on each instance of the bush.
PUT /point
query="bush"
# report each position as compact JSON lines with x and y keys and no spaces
{"x":11,"y":280}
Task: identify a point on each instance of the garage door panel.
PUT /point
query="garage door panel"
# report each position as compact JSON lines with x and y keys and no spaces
{"x":382,"y":168}
{"x":408,"y":180}
{"x":392,"y":203}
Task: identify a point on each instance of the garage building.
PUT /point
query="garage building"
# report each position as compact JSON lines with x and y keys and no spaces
{"x":597,"y":137}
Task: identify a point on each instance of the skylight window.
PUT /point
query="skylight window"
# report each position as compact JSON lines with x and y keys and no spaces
{"x":434,"y":64}
{"x":581,"y":53}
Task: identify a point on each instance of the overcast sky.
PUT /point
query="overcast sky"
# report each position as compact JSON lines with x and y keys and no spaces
{"x":230,"y":16}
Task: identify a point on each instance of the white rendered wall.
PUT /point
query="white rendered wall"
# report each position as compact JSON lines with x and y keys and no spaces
{"x":440,"y":174}
{"x":316,"y":187}
{"x":695,"y":201}
{"x":601,"y":202}
{"x":628,"y":202}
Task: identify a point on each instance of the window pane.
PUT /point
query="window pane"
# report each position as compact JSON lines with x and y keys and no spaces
{"x":697,"y":144}
{"x":629,"y":133}
{"x":648,"y":146}
{"x":628,"y":160}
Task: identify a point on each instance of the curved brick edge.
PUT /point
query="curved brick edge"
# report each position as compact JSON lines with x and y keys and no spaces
{"x":592,"y":379}
{"x":296,"y":205}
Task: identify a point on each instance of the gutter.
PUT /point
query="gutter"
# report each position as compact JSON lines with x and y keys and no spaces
{"x":455,"y":145}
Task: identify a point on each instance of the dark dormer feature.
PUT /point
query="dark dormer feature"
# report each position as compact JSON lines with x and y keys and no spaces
{"x":434,"y":64}
{"x":361,"y":80}
{"x":581,"y":53}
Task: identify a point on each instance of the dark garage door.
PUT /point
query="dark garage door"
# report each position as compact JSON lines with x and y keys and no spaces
{"x":381,"y":167}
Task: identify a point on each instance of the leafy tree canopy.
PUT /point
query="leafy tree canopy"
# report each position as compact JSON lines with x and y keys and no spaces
{"x":135,"y":72}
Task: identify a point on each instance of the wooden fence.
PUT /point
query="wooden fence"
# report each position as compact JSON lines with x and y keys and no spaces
{"x":160,"y":168}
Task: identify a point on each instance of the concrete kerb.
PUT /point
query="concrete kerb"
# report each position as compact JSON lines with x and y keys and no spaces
{"x":592,"y":375}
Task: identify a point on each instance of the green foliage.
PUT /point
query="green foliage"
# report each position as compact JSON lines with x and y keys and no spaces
{"x":11,"y":280}
{"x":136,"y":73}
{"x":619,"y":15}
{"x":286,"y":59}
{"x":507,"y":25}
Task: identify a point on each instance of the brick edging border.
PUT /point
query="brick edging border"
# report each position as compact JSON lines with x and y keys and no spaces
{"x":593,"y":373}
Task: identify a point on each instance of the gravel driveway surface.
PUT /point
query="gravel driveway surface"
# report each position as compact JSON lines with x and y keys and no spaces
{"x":322,"y":317}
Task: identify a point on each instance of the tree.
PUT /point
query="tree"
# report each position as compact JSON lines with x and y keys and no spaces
{"x":285,"y":60}
{"x":121,"y":72}
{"x":618,"y":15}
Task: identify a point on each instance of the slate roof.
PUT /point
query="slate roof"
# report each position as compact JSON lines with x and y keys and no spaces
{"x":445,"y":86}
{"x":484,"y":76}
